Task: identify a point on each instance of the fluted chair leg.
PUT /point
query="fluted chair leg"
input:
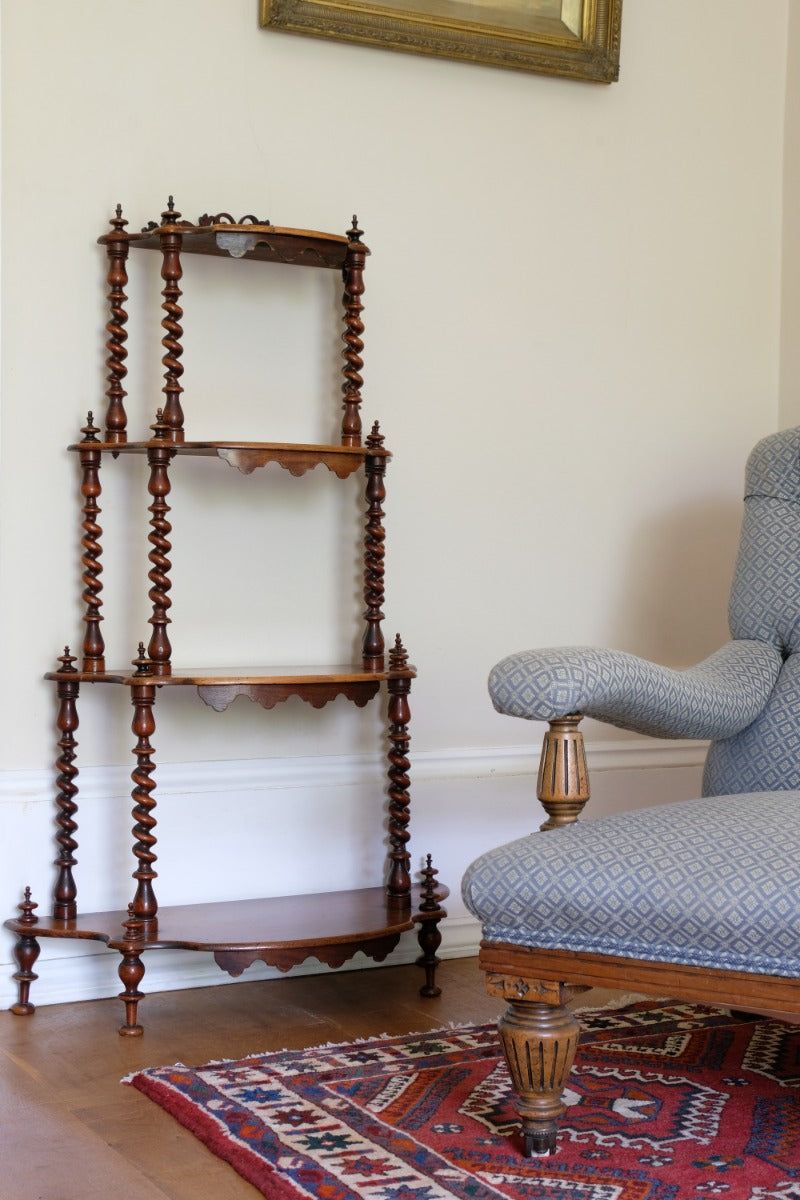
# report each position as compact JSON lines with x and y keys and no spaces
{"x":539,"y":1042}
{"x":563,"y":785}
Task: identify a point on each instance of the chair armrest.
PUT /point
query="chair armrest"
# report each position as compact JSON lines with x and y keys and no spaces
{"x":715,"y":699}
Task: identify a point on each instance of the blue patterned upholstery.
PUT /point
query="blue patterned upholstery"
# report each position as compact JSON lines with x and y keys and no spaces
{"x":716,"y":699}
{"x":746,"y":697}
{"x":702,"y":883}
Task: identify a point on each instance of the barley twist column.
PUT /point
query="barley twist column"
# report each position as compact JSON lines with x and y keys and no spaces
{"x":91,"y":457}
{"x":159,"y":455}
{"x":374,"y":551}
{"x":399,"y":883}
{"x":171,"y":272}
{"x":65,"y":892}
{"x":117,"y":250}
{"x":143,"y":694}
{"x":353,"y":276}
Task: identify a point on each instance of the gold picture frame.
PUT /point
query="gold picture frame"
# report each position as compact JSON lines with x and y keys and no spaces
{"x":576,"y":39}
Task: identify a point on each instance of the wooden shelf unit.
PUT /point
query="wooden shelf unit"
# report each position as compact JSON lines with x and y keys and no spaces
{"x":285,"y":931}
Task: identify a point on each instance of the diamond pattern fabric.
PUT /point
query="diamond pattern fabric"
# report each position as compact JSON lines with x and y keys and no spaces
{"x":765,"y":596}
{"x":746,"y":697}
{"x":766,"y":755}
{"x":773,"y":468}
{"x":717,"y":698}
{"x":709,"y":883}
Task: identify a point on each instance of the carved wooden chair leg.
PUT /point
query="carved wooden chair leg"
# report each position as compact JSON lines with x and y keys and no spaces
{"x":539,"y":1041}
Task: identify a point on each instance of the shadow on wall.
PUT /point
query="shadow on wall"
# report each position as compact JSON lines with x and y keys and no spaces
{"x":671,"y":604}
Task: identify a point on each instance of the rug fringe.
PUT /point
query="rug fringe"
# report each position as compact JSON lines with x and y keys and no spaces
{"x":450,"y":1027}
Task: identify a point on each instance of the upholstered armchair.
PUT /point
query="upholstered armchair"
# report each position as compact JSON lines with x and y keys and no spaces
{"x":698,"y":900}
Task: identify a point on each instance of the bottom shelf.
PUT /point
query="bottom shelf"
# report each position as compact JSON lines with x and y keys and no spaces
{"x":281,"y":931}
{"x":290,"y":927}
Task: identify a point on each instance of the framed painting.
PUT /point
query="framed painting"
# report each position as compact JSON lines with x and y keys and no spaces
{"x":577,"y":39}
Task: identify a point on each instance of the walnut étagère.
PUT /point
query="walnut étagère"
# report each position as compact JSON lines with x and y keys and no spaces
{"x":284,"y":931}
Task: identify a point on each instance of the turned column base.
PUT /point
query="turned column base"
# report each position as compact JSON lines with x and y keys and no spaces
{"x":131,"y":973}
{"x":26,"y":952}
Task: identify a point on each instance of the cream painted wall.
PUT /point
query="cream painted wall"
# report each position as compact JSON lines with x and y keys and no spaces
{"x":790,"y":308}
{"x":572,"y":340}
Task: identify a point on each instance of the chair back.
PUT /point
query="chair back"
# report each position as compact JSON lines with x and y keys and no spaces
{"x":765,"y":606}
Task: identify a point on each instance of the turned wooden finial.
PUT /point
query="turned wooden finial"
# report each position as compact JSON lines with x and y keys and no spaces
{"x":375,"y":439}
{"x":26,"y":909}
{"x":118,"y":222}
{"x":159,"y":427}
{"x":66,"y":660}
{"x":90,"y":430}
{"x":563,"y":785}
{"x":354,"y":233}
{"x":133,"y":927}
{"x":398,"y":655}
{"x":141,"y":662}
{"x":170,"y":213}
{"x":429,"y":897}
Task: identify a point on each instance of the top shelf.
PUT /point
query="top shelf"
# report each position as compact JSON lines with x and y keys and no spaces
{"x":224,"y":237}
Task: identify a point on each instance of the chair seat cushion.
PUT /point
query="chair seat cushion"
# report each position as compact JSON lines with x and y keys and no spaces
{"x":709,"y":883}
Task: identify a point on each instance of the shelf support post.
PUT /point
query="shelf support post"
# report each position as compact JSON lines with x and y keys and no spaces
{"x":171,"y":272}
{"x":399,"y":686}
{"x":374,"y":550}
{"x":353,"y":278}
{"x":65,"y":891}
{"x":143,"y":694}
{"x":159,"y":456}
{"x":91,"y":489}
{"x":117,"y":278}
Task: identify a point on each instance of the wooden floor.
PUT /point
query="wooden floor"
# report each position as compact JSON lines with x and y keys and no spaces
{"x":70,"y":1131}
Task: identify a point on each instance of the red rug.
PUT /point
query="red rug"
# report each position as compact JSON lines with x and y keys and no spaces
{"x":665,"y":1100}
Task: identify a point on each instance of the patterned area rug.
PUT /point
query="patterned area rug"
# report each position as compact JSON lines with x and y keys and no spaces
{"x":665,"y":1100}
